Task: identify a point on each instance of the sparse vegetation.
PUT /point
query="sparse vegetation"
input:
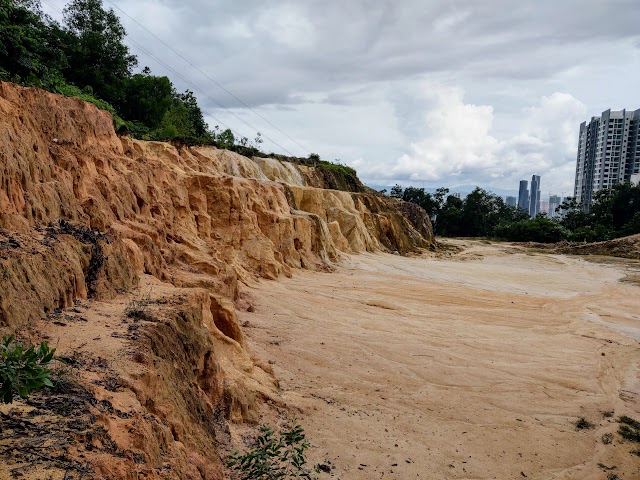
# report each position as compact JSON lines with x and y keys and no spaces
{"x":274,"y":456}
{"x":23,"y":369}
{"x":607,"y":438}
{"x":583,"y":424}
{"x":137,"y":309}
{"x":629,"y":429}
{"x":607,"y":414}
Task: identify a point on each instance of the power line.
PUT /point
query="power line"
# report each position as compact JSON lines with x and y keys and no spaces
{"x":195,"y":87}
{"x":206,"y":75}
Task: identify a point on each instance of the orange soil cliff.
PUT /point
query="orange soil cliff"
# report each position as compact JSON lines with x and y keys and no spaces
{"x":87,"y":214}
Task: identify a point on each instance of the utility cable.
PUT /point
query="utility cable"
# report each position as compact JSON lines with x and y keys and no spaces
{"x":195,"y":87}
{"x":205,"y":74}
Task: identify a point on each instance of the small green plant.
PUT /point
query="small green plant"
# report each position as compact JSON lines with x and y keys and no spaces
{"x":23,"y":370}
{"x":274,"y":457}
{"x":607,"y":438}
{"x":582,"y":424}
{"x":629,"y":428}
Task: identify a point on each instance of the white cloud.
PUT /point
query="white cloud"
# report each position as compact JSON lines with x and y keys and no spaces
{"x":457,"y":144}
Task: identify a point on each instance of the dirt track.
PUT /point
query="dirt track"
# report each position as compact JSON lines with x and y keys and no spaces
{"x":475,"y":366}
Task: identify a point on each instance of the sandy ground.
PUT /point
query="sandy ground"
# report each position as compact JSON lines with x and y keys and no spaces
{"x":475,"y":366}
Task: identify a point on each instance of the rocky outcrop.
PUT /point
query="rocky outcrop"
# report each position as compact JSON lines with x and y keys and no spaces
{"x":85,"y":214}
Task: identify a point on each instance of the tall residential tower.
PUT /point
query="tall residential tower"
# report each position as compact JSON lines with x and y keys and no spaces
{"x":523,"y":196}
{"x":608,"y":153}
{"x":534,"y":196}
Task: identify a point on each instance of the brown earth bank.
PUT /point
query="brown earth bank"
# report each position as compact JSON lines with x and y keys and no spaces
{"x":132,"y":258}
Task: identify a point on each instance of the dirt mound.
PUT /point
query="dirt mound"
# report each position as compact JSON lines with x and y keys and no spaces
{"x":626,"y":247}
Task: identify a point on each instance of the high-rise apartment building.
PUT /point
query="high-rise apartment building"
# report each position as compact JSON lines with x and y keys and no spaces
{"x":534,"y":196}
{"x":608,"y":153}
{"x":511,"y":201}
{"x":523,"y":196}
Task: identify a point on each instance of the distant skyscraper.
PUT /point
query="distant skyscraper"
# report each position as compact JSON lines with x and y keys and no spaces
{"x":608,"y":153}
{"x":523,"y":196}
{"x":534,"y":196}
{"x":554,"y":202}
{"x":511,"y":201}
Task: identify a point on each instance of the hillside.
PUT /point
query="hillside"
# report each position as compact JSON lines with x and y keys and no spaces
{"x":131,"y":258}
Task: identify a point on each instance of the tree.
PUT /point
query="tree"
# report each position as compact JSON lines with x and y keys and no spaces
{"x":396,"y":191}
{"x":148,"y":98}
{"x":448,"y":221}
{"x":28,"y":50}
{"x":199,"y":127}
{"x":226,"y":139}
{"x":572,"y":215}
{"x":97,"y":54}
{"x":420,"y":197}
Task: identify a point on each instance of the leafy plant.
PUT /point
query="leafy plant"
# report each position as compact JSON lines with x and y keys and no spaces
{"x":23,"y":370}
{"x":274,"y":457}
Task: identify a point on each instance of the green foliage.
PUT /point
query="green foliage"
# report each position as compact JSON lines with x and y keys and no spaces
{"x":314,"y":157}
{"x":396,"y":191}
{"x":23,"y":370}
{"x":615,"y":213}
{"x":274,"y":457}
{"x":226,"y":139}
{"x":420,"y":197}
{"x":96,"y":53}
{"x":86,"y":58}
{"x":343,"y":171}
{"x":539,"y":229}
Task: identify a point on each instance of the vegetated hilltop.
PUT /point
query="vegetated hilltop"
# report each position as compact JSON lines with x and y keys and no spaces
{"x":87,"y":214}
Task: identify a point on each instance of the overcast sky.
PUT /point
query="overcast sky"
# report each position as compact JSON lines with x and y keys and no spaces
{"x":422,"y":92}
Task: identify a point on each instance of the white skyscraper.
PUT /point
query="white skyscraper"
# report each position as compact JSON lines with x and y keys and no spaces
{"x":608,"y":153}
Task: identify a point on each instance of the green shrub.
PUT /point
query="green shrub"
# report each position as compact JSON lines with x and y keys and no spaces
{"x":274,"y":457}
{"x":583,"y":424}
{"x":23,"y":370}
{"x":538,"y":229}
{"x":629,"y":428}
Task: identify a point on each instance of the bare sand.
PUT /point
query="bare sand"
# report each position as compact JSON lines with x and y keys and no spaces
{"x":475,"y":366}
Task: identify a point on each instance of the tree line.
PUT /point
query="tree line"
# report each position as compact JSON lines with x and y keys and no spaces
{"x":85,"y":56}
{"x":614,"y":213}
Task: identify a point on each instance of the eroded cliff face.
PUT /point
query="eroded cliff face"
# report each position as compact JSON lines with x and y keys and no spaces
{"x":86,"y":214}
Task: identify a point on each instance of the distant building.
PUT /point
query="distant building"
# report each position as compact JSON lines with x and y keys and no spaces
{"x":608,"y":153}
{"x":554,"y":202}
{"x":544,"y":207}
{"x":523,"y":196}
{"x":534,"y":196}
{"x":511,"y":201}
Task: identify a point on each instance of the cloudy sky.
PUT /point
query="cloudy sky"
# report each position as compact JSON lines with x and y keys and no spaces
{"x":422,"y":92}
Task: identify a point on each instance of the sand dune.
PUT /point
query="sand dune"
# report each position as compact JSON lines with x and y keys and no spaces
{"x":475,"y":366}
